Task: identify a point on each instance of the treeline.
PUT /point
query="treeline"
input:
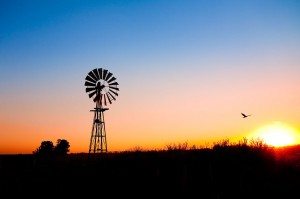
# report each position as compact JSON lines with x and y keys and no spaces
{"x":47,"y":148}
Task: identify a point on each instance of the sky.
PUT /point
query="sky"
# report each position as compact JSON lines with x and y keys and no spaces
{"x":186,"y":70}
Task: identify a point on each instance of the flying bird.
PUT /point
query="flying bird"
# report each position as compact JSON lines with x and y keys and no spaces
{"x":244,"y":115}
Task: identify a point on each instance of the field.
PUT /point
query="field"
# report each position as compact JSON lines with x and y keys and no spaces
{"x":224,"y":171}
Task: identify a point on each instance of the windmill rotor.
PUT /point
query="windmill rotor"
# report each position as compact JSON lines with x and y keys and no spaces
{"x":101,"y":85}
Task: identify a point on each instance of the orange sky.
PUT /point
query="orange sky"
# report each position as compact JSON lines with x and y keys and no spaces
{"x":184,"y":76}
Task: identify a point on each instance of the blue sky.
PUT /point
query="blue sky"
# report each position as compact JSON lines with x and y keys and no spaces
{"x":197,"y":56}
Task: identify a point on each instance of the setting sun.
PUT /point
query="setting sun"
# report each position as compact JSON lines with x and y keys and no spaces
{"x":277,"y":134}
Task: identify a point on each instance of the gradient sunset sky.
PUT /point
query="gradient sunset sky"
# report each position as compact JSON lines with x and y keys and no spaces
{"x":186,"y":70}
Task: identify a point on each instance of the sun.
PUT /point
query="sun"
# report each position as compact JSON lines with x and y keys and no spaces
{"x":277,"y":134}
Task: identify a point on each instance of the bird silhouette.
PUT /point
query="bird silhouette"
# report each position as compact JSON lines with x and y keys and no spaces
{"x":244,"y":115}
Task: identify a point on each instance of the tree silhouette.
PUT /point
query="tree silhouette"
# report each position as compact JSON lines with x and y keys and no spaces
{"x":45,"y":149}
{"x":62,"y":147}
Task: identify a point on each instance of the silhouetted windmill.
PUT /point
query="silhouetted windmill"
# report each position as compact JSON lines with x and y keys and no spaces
{"x":244,"y":115}
{"x":102,"y":87}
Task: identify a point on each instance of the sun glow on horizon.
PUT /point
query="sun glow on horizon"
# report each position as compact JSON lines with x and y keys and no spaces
{"x":277,"y":134}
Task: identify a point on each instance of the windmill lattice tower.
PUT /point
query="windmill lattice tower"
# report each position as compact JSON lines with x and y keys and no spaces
{"x":102,"y":87}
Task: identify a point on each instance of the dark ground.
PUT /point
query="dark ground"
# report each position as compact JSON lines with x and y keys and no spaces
{"x":225,"y":172}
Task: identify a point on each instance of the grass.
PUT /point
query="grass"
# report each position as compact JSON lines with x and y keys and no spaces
{"x":246,"y":169}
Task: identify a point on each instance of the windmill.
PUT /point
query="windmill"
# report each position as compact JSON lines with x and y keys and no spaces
{"x":102,"y":87}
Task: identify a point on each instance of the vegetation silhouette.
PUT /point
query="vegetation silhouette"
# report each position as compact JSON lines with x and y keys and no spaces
{"x":62,"y":147}
{"x":47,"y":148}
{"x":246,"y":169}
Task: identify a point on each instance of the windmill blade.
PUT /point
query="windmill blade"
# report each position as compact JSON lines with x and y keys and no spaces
{"x":104,"y":73}
{"x":113,"y":92}
{"x":108,"y":76}
{"x":89,"y":89}
{"x":112,"y":79}
{"x":95,"y":71}
{"x":114,"y":83}
{"x":98,"y":81}
{"x":111,"y":96}
{"x":90,"y":79}
{"x":108,"y":98}
{"x":100,"y":72}
{"x":115,"y":88}
{"x":89,"y":84}
{"x":92,"y":75}
{"x":92,"y":94}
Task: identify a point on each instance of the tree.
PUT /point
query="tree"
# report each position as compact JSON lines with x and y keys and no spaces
{"x":62,"y":147}
{"x":45,"y":149}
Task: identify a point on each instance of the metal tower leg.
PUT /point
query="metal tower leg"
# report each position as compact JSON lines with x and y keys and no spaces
{"x":98,"y":143}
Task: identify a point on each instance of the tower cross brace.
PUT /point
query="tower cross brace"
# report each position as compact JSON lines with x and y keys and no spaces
{"x":98,"y":142}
